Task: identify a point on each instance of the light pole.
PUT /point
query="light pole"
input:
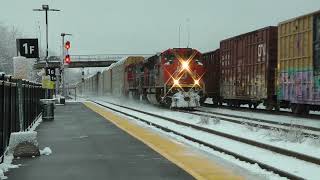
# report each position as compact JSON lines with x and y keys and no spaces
{"x":62,"y":63}
{"x":46,"y":9}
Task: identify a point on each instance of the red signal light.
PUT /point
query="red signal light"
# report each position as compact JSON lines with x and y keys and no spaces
{"x":67,"y":45}
{"x":67,"y":59}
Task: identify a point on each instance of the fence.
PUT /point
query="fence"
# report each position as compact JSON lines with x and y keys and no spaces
{"x":19,"y":107}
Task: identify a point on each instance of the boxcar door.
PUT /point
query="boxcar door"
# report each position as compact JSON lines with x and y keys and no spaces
{"x":240,"y":67}
{"x":316,"y":55}
{"x":316,"y":43}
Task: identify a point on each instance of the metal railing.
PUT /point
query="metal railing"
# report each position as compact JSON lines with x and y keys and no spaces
{"x":19,"y":107}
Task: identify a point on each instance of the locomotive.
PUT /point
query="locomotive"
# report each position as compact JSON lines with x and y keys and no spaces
{"x":172,"y":78}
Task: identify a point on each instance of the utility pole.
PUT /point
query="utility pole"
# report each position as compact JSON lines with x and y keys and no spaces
{"x":62,"y":63}
{"x":46,"y":9}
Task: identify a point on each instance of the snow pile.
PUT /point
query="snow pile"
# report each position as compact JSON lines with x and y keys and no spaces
{"x":36,"y":124}
{"x":20,"y":137}
{"x":189,"y":99}
{"x":46,"y":151}
{"x":294,"y":135}
{"x":6,"y":165}
{"x":15,"y":139}
{"x":206,"y":120}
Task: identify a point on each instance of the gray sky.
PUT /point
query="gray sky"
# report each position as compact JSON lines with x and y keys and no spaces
{"x":146,"y":26}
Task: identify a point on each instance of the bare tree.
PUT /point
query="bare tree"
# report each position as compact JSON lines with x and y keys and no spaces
{"x":8,"y":37}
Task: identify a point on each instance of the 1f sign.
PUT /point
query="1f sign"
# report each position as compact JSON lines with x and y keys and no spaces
{"x":28,"y":48}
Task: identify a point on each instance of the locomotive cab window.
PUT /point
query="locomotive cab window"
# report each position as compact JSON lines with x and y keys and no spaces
{"x":169,"y":58}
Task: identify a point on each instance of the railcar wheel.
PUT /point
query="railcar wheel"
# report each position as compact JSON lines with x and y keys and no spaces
{"x":167,"y":102}
{"x":300,"y":109}
{"x":305,"y":109}
{"x":202,"y":100}
{"x":269,"y":107}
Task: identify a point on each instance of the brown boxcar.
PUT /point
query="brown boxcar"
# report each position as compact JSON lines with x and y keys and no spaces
{"x":211,"y":62}
{"x":248,"y":64}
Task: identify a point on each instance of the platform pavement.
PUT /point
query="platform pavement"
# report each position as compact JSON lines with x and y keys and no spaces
{"x":86,"y":146}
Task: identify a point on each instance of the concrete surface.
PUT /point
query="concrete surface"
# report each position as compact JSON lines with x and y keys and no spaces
{"x":86,"y":146}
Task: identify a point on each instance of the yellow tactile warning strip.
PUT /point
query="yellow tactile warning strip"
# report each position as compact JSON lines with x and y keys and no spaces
{"x":196,"y":165}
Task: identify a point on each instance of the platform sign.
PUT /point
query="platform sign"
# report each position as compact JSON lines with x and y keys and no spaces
{"x":47,"y":83}
{"x":52,"y":73}
{"x":28,"y":48}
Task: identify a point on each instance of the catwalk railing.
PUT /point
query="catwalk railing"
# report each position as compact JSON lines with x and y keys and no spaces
{"x":19,"y":107}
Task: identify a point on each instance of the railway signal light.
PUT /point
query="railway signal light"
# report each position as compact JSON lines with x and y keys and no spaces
{"x":67,"y":45}
{"x":67,"y":59}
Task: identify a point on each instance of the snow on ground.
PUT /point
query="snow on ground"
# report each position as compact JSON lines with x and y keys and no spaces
{"x":268,"y":117}
{"x":253,"y":168}
{"x":29,"y":136}
{"x":46,"y":151}
{"x":289,"y":164}
{"x":294,"y":141}
{"x":78,"y":99}
{"x":6,"y":165}
{"x":35,"y":124}
{"x":261,"y":106}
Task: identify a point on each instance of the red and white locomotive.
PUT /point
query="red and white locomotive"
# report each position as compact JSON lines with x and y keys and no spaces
{"x":172,"y":78}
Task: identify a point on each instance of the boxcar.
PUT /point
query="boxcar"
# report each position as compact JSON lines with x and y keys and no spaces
{"x":248,"y":64}
{"x":299,"y":63}
{"x":107,"y":76}
{"x":211,"y":62}
{"x":133,"y":76}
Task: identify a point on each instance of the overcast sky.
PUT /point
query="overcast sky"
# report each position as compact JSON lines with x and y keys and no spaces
{"x":146,"y":26}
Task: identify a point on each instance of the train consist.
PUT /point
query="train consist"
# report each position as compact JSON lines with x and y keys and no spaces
{"x":277,"y":66}
{"x":171,"y":78}
{"x":245,"y":66}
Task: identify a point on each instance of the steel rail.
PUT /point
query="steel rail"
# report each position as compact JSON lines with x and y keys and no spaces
{"x":239,"y":139}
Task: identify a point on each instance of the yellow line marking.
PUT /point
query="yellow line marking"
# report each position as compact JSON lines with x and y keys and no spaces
{"x":196,"y":165}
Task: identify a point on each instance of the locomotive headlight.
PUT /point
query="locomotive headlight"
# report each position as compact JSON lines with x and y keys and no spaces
{"x":196,"y":82}
{"x":185,"y":65}
{"x":176,"y":81}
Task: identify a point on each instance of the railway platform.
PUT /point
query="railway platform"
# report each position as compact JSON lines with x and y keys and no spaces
{"x":89,"y":142}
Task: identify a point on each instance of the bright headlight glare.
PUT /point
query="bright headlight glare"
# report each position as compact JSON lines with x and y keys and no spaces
{"x":196,"y":82}
{"x":176,"y":81}
{"x":185,"y":65}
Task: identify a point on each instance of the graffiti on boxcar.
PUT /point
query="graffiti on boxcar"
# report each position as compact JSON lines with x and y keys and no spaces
{"x":299,"y":87}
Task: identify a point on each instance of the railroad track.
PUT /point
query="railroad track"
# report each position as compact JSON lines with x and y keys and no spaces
{"x":265,"y":111}
{"x":278,"y":150}
{"x":314,"y":132}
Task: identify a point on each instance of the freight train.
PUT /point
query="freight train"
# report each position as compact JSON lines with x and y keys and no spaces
{"x":172,"y":78}
{"x":277,"y":66}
